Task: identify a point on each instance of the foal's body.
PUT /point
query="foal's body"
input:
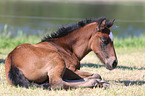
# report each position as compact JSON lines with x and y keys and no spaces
{"x":55,"y":60}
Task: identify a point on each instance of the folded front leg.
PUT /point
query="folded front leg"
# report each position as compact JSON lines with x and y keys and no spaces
{"x":84,"y":74}
{"x":81,"y":83}
{"x":89,"y":83}
{"x":70,"y":75}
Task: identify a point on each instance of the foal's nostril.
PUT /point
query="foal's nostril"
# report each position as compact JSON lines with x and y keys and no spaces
{"x":114,"y":64}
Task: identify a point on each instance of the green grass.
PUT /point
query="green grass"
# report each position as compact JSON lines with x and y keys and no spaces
{"x":128,"y":79}
{"x":130,"y":42}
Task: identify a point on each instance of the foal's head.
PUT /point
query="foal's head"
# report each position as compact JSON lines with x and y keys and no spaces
{"x":102,"y":44}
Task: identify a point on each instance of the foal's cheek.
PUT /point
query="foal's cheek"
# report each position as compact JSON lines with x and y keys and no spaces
{"x":103,"y":47}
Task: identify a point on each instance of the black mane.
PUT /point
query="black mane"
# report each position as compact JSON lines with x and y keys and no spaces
{"x":70,"y":28}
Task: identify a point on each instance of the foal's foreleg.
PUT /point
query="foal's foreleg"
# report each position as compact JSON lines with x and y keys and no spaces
{"x":76,"y":75}
{"x":83,"y":74}
{"x":83,"y":79}
{"x":88,"y":76}
{"x":81,"y":83}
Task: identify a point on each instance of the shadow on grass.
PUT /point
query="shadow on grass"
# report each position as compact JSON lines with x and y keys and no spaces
{"x":91,"y":65}
{"x":2,"y":61}
{"x":118,"y":67}
{"x":129,"y":83}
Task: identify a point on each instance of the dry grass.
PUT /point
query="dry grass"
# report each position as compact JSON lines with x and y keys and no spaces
{"x":128,"y":79}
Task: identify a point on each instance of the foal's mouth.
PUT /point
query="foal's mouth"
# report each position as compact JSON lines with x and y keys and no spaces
{"x":111,"y":64}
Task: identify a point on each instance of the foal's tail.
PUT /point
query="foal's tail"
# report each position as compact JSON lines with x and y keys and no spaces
{"x":15,"y":76}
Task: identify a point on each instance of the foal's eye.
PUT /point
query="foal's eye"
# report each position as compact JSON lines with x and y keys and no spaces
{"x":105,"y":40}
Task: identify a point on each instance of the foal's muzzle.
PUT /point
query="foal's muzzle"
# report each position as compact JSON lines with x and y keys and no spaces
{"x":111,"y":64}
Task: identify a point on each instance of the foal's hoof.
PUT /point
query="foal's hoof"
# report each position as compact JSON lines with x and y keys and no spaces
{"x":106,"y":85}
{"x":102,"y":84}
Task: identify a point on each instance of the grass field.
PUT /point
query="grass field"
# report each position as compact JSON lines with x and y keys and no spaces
{"x":128,"y":79}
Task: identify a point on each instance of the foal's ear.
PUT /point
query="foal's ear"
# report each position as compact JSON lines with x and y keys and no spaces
{"x":101,"y":25}
{"x":109,"y":24}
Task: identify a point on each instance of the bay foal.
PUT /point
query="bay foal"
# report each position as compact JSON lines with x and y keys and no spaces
{"x":55,"y":61}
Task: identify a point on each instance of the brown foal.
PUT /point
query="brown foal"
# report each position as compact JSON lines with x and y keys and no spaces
{"x":55,"y":61}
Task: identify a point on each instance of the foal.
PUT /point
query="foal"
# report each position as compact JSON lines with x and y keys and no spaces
{"x":55,"y":61}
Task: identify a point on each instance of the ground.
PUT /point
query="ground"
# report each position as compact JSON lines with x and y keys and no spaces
{"x":128,"y":79}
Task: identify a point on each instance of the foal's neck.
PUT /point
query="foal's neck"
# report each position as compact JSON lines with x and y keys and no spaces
{"x":77,"y":42}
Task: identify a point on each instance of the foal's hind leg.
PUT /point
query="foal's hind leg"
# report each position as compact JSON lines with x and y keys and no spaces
{"x":55,"y":79}
{"x":55,"y":73}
